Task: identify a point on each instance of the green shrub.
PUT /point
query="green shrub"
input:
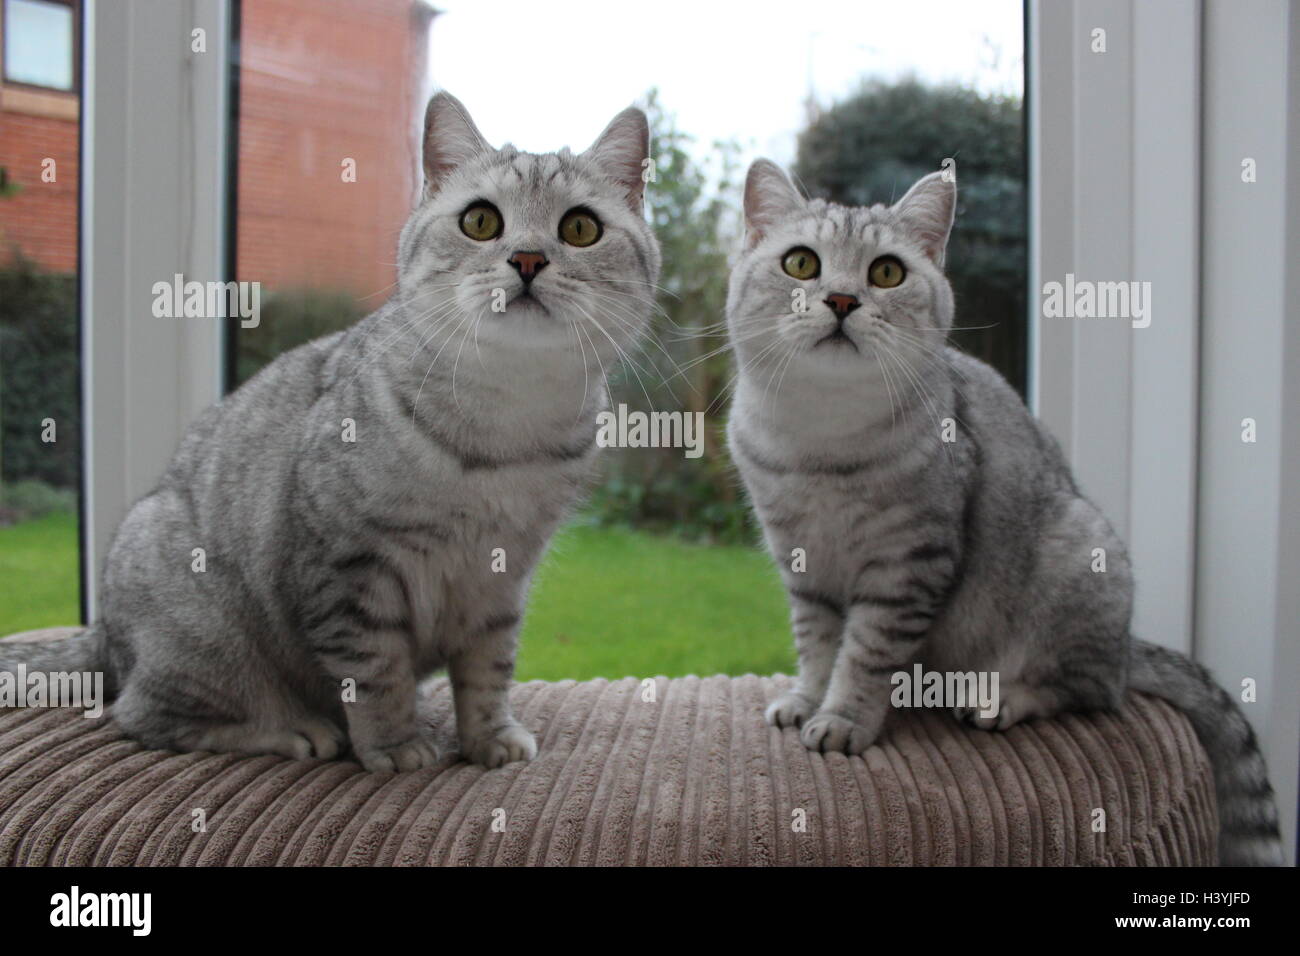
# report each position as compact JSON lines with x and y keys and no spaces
{"x":39,"y":369}
{"x":681,"y":501}
{"x":27,"y":499}
{"x":290,"y":318}
{"x":844,"y":158}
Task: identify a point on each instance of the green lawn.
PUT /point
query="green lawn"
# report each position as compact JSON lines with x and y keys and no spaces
{"x":606,"y":603}
{"x":609,"y":603}
{"x":39,"y":583}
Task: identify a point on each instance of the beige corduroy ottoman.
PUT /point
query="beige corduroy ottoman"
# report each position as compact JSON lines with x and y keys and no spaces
{"x":692,"y":776}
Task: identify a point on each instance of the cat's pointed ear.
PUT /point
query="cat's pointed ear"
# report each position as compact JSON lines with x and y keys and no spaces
{"x":769,"y":198}
{"x":621,"y":151}
{"x":450,"y":140}
{"x":927,"y":212}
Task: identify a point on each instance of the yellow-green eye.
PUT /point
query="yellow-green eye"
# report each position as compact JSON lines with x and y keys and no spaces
{"x":579,"y":227}
{"x":886,"y":272}
{"x":481,"y":221}
{"x":801,"y":263}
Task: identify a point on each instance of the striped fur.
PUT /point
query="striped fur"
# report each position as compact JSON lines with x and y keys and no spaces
{"x":340,"y":573}
{"x":898,"y":547}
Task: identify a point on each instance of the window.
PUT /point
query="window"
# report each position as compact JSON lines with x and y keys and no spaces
{"x":669,"y":540}
{"x":40,"y":368}
{"x":39,"y":40}
{"x":325,"y":179}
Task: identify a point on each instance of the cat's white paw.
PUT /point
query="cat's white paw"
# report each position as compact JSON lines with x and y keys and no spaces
{"x":319,"y":738}
{"x":827,"y":732}
{"x":412,"y":754}
{"x":789,"y":710}
{"x":504,"y":746}
{"x":1017,"y":703}
{"x":972,"y":717}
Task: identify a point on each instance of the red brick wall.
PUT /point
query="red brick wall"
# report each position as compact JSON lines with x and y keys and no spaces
{"x":321,"y":82}
{"x":41,"y":219}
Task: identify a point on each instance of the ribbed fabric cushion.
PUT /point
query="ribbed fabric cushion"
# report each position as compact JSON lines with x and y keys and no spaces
{"x":694,"y":777}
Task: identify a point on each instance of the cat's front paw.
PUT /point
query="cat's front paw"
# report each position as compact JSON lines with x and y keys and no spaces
{"x":791,"y":709}
{"x":826,"y":732}
{"x":503,"y":746}
{"x":413,"y":754}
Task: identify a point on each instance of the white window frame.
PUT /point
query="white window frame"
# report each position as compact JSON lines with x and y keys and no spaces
{"x":1214,"y":527}
{"x":153,"y":204}
{"x":1135,"y":175}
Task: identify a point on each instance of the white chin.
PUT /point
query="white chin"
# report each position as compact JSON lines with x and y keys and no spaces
{"x":527,"y":307}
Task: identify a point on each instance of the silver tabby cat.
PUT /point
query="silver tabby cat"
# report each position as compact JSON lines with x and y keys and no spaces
{"x":967,"y":555}
{"x":336,"y":565}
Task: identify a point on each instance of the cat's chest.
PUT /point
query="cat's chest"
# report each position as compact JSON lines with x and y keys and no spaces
{"x":827,"y":529}
{"x":491,"y":530}
{"x":525,"y":498}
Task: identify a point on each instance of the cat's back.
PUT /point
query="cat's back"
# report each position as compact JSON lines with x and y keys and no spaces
{"x":286,"y":387}
{"x":1022,"y":488}
{"x":996,"y":417}
{"x":234,"y":459}
{"x":248,"y":439}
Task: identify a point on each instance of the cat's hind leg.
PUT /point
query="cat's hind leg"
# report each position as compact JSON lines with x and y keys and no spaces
{"x":170,"y":715}
{"x":1016,"y":702}
{"x":1087,"y":674}
{"x":308,"y":738}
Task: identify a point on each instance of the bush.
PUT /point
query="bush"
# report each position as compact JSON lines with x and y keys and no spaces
{"x":681,"y":500}
{"x":25,"y":500}
{"x":39,"y":376}
{"x":871,"y":146}
{"x":290,"y":318}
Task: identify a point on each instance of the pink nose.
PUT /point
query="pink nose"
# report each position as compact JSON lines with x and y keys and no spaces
{"x":842,"y":304}
{"x":528,"y":264}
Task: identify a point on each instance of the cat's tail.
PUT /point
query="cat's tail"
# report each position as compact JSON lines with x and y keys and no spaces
{"x":1248,"y":827}
{"x":81,"y":652}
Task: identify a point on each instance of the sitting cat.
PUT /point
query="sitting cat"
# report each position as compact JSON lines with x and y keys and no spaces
{"x":372,"y":505}
{"x":972,"y":554}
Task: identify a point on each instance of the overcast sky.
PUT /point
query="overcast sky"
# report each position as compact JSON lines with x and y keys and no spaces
{"x":546,"y":75}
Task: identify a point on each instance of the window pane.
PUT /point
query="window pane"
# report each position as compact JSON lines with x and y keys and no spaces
{"x":40,"y":413}
{"x":38,"y":43}
{"x":330,"y":99}
{"x":667,"y":543}
{"x":858,"y":99}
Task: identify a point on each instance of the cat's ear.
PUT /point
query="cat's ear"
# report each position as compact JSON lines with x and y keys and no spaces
{"x":927,"y":213}
{"x":769,"y":198}
{"x":621,"y":151}
{"x":450,"y":140}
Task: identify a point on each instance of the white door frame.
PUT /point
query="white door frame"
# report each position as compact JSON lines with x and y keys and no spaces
{"x":153,"y":204}
{"x":1135,"y":175}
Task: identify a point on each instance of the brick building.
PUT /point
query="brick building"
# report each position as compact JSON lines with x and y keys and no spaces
{"x":39,"y":106}
{"x":320,"y":83}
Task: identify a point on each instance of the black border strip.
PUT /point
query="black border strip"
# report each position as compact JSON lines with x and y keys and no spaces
{"x":85,"y":561}
{"x":1031,"y":295}
{"x":230,"y":266}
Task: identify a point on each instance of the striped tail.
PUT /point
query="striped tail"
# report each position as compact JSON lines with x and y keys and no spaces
{"x":84,"y":651}
{"x":1248,"y":827}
